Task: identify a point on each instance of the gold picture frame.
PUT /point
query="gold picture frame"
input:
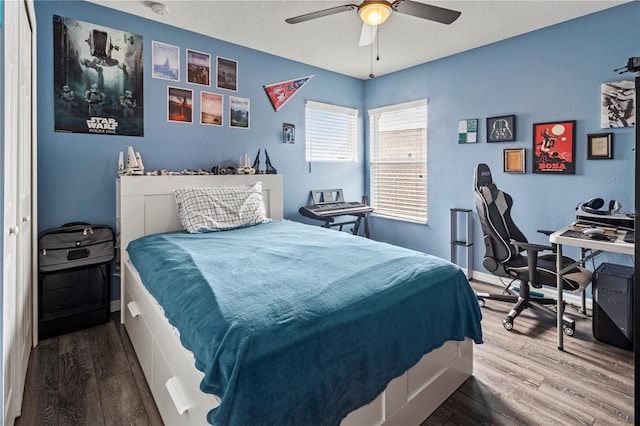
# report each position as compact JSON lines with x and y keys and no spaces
{"x":514,"y":160}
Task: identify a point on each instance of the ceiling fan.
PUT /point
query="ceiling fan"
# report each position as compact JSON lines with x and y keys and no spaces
{"x":375,"y":12}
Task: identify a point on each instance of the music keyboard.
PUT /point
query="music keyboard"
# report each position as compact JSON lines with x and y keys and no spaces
{"x":322,"y":211}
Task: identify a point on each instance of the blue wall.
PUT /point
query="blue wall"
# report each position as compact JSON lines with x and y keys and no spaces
{"x":77,"y":172}
{"x":548,"y":75}
{"x":553,"y":74}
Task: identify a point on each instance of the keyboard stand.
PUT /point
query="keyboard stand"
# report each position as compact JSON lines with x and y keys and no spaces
{"x":329,"y":223}
{"x":329,"y":204}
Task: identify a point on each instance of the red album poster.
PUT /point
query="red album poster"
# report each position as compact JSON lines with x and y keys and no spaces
{"x":554,"y":147}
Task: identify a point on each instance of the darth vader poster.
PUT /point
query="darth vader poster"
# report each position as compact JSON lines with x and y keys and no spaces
{"x":98,"y":80}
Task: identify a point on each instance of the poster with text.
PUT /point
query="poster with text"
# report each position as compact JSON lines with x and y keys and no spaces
{"x":198,"y":67}
{"x":554,"y":147}
{"x":98,"y":79}
{"x":165,"y":61}
{"x":211,"y":105}
{"x":227,"y":74}
{"x":179,"y":105}
{"x":239,"y":112}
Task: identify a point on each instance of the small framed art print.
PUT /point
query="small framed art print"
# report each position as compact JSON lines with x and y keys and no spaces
{"x":288,"y":133}
{"x":600,"y":146}
{"x":514,"y":160}
{"x":501,"y":129}
{"x":468,"y":131}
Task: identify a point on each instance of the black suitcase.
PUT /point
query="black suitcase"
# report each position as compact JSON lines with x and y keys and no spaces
{"x":74,"y":282}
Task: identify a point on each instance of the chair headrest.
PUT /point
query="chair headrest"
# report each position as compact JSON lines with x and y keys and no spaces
{"x":483,"y":176}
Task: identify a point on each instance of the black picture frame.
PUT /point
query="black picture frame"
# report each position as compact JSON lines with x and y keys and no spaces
{"x":501,"y":128}
{"x":600,"y":146}
{"x":554,"y":147}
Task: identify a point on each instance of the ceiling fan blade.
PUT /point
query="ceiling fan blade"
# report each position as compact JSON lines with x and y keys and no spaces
{"x":320,"y":13}
{"x":426,"y":11}
{"x":368,"y":34}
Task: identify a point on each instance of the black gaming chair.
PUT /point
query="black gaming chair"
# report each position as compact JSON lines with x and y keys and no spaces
{"x":504,"y":244}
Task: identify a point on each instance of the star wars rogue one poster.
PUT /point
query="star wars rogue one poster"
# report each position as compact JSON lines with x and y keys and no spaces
{"x":98,"y":79}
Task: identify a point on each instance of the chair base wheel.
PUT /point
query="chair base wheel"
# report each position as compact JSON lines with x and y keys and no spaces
{"x":481,"y":302}
{"x":569,"y":330}
{"x":507,"y":323}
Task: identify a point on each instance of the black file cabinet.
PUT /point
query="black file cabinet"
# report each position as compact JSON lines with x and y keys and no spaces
{"x":613,"y":305}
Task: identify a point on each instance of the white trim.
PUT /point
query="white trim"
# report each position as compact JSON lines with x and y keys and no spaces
{"x":396,"y":107}
{"x":332,"y":108}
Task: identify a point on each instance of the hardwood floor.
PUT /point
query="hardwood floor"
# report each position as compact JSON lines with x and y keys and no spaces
{"x":89,"y":377}
{"x":92,"y":377}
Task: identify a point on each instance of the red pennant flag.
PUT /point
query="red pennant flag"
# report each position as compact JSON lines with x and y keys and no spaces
{"x":280,"y":93}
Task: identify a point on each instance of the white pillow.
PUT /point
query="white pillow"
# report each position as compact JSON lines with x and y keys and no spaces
{"x":220,"y":208}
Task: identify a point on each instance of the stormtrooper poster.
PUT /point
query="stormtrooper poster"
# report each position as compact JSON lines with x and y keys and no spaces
{"x":98,"y":80}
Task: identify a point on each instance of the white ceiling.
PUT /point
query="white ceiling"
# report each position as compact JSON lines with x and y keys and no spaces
{"x":331,"y":42}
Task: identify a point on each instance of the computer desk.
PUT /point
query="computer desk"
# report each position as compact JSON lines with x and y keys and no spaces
{"x":597,"y":247}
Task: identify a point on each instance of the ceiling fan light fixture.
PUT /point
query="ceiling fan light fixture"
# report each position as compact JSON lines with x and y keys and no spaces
{"x":374,"y":12}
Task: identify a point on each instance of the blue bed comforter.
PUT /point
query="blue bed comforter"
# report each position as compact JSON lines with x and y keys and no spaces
{"x":297,"y":324}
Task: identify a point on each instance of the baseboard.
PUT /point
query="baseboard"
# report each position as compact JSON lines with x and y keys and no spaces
{"x":115,"y":305}
{"x":570,"y":298}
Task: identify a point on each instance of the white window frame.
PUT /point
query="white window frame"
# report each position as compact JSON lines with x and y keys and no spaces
{"x":406,"y":201}
{"x":331,"y":133}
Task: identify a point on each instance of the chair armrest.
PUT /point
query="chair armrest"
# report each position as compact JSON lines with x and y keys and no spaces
{"x":530,"y":246}
{"x":532,"y":257}
{"x":548,"y":233}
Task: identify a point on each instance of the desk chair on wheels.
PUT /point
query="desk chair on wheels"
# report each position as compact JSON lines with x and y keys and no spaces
{"x":504,"y":244}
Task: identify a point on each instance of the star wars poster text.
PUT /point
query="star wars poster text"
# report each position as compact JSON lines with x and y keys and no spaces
{"x":98,"y":79}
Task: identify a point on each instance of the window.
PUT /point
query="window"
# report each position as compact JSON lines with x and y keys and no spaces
{"x":331,"y":132}
{"x":398,"y":161}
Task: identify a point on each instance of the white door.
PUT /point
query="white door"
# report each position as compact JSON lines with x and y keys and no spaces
{"x":18,"y":219}
{"x":11,"y":229}
{"x":24,"y":286}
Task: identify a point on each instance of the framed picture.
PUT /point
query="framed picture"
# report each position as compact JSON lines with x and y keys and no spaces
{"x":514,"y":160}
{"x":288,"y":133}
{"x":165,"y":60}
{"x":198,"y":68}
{"x":600,"y":146}
{"x":501,"y":129}
{"x":211,"y":107}
{"x":179,"y":105}
{"x":468,"y":131}
{"x":554,"y":147}
{"x":239,"y":109}
{"x":226,"y":74}
{"x":617,"y":107}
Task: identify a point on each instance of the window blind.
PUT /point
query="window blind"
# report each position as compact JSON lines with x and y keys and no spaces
{"x":331,"y":132}
{"x":398,"y":161}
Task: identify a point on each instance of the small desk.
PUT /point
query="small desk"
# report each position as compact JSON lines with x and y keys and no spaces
{"x":597,"y":247}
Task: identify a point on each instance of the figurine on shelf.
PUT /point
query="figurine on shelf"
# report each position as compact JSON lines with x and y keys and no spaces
{"x":270,"y":170}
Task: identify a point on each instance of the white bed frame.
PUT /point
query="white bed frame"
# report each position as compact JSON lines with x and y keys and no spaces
{"x":145,"y":206}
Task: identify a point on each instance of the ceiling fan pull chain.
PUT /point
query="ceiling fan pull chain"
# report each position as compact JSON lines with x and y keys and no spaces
{"x":378,"y":45}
